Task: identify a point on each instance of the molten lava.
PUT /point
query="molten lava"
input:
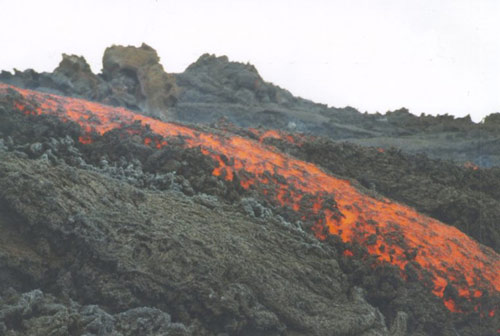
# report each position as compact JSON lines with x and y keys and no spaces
{"x":392,"y":232}
{"x":296,"y":139}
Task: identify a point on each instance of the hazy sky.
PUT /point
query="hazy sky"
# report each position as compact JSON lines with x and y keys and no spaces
{"x":432,"y":56}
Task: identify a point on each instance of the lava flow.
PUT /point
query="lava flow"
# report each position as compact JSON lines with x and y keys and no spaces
{"x":394,"y":233}
{"x":295,"y":139}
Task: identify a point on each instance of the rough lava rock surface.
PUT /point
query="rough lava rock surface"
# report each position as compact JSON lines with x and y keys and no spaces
{"x":120,"y":225}
{"x":99,"y":241}
{"x":119,"y":238}
{"x":215,"y":87}
{"x":132,"y":77}
{"x":74,"y":76}
{"x":136,"y":76}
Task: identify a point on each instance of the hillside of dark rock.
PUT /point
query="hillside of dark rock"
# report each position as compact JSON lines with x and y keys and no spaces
{"x":125,"y":232}
{"x":98,"y":244}
{"x":161,"y":255}
{"x":215,"y":87}
{"x":463,"y":196}
{"x":119,"y":237}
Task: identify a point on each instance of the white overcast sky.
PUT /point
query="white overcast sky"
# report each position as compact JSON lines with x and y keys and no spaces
{"x":431,"y":56}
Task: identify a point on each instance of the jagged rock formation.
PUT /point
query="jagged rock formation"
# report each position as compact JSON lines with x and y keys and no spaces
{"x":137,"y":77}
{"x":214,"y":87}
{"x":132,"y":77}
{"x":39,"y":314}
{"x":73,"y":75}
{"x":213,"y":79}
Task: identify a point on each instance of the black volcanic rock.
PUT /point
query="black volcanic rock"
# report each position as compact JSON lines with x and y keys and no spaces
{"x":74,"y":76}
{"x":492,"y":120}
{"x":214,"y":87}
{"x":213,"y":79}
{"x":63,"y":231}
{"x":43,"y":314}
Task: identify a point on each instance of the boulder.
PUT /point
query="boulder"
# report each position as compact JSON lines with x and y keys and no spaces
{"x":216,"y":79}
{"x":75,"y":74}
{"x":136,"y":76}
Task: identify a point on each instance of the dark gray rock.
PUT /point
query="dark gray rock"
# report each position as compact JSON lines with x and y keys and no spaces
{"x":35,"y":313}
{"x":74,"y":77}
{"x":399,"y":326}
{"x":254,"y":209}
{"x":209,"y":270}
{"x":213,"y":79}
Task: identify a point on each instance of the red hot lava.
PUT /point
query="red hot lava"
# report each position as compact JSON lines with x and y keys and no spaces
{"x":392,"y":232}
{"x":295,"y":139}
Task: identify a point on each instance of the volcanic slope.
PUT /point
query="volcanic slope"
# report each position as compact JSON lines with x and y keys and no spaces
{"x":215,"y":87}
{"x":99,"y":241}
{"x":465,"y":196}
{"x":392,"y":234}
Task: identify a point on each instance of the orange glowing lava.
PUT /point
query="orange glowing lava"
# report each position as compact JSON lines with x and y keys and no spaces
{"x":85,"y":139}
{"x":395,"y":233}
{"x":296,"y":139}
{"x":471,"y":165}
{"x":450,"y":304}
{"x":348,"y":253}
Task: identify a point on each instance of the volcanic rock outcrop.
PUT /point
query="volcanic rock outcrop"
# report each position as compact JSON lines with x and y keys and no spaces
{"x":213,"y":79}
{"x":137,"y":77}
{"x":132,"y":77}
{"x":74,"y":76}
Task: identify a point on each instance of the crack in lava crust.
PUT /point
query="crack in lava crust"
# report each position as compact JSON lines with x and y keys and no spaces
{"x":396,"y":234}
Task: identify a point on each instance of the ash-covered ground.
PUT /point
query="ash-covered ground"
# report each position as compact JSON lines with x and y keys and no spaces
{"x":115,"y":236}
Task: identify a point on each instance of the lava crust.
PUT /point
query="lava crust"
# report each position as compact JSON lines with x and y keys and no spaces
{"x":401,"y":247}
